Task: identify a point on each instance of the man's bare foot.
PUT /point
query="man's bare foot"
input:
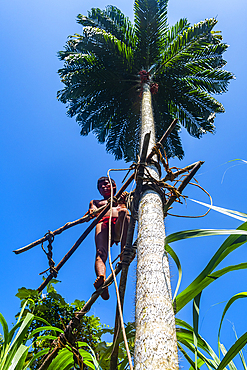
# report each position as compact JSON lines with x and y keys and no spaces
{"x":98,"y":283}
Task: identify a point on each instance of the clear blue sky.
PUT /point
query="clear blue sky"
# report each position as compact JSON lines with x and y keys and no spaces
{"x":48,"y":172}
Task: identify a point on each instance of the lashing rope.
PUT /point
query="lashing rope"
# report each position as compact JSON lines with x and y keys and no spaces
{"x":49,"y":254}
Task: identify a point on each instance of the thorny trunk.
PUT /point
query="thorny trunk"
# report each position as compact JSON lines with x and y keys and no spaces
{"x":155,"y":343}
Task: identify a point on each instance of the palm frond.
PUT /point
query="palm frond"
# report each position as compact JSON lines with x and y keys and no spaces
{"x":179,"y":27}
{"x":123,"y":139}
{"x":104,"y":45}
{"x":184,"y":45}
{"x":189,"y":72}
{"x":163,"y":119}
{"x":214,"y":81}
{"x":197,"y":111}
{"x":207,"y":57}
{"x":150,"y":27}
{"x":111,"y":20}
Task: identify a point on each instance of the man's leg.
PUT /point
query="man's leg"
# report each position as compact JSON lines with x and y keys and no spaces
{"x":121,"y":227}
{"x":101,"y":241}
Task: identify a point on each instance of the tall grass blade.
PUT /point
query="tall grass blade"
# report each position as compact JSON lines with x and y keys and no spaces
{"x":19,"y":358}
{"x":196,"y":305}
{"x":197,"y":233}
{"x":233,"y":351}
{"x":208,"y":275}
{"x":228,"y":212}
{"x":5,"y":335}
{"x":240,"y":352}
{"x":176,"y":260}
{"x":18,"y":341}
{"x":185,"y":337}
{"x":187,"y":357}
{"x":228,"y":305}
{"x":224,"y":351}
{"x":195,"y":288}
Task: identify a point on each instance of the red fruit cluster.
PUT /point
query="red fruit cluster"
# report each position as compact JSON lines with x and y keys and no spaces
{"x":144,"y":75}
{"x":154,"y":88}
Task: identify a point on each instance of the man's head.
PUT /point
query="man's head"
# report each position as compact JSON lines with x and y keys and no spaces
{"x":104,"y":186}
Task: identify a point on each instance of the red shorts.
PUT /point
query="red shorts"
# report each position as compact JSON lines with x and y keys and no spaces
{"x":105,"y":220}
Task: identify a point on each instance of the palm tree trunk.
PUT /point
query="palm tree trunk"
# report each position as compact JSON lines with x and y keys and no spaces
{"x":155,"y":343}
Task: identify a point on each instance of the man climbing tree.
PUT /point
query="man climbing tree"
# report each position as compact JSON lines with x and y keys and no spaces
{"x":119,"y":226}
{"x":110,"y":72}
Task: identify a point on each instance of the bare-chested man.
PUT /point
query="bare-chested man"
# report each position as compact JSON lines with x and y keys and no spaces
{"x":119,"y":227}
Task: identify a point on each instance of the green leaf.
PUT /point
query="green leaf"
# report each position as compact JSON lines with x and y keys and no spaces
{"x":18,"y":340}
{"x":5,"y":327}
{"x":195,"y":288}
{"x":24,"y":293}
{"x":63,"y":360}
{"x":180,"y":235}
{"x":176,"y":260}
{"x":228,"y":212}
{"x":208,"y":275}
{"x":183,"y":323}
{"x":241,"y":353}
{"x":196,"y":304}
{"x":44,"y":328}
{"x":187,"y":357}
{"x":19,"y":358}
{"x":36,"y":356}
{"x":224,"y":351}
{"x":23,"y":330}
{"x":227,"y":306}
{"x":233,"y":351}
{"x":185,"y":337}
{"x":43,"y":337}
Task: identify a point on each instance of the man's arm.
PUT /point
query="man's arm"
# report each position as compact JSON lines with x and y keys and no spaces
{"x":92,"y":206}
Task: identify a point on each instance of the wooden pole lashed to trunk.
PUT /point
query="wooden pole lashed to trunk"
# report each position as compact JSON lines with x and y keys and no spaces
{"x":183,"y":184}
{"x":155,"y":342}
{"x":127,"y":248}
{"x":122,"y":285}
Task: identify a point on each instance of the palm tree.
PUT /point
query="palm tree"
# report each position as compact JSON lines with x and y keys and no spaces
{"x":116,"y":72}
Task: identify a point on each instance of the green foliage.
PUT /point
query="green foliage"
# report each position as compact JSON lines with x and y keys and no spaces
{"x":102,"y":82}
{"x":16,"y":352}
{"x":188,"y":337}
{"x":104,"y":349}
{"x":65,"y":361}
{"x":229,"y":303}
{"x":14,"y":346}
{"x":209,"y":274}
{"x":52,"y":309}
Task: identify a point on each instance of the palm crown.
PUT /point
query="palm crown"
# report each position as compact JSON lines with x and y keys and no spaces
{"x":104,"y":69}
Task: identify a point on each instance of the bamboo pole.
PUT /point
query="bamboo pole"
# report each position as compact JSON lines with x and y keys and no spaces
{"x":183,"y":184}
{"x":123,"y":279}
{"x":85,"y":218}
{"x":163,"y":139}
{"x":127,"y":249}
{"x":172,"y":176}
